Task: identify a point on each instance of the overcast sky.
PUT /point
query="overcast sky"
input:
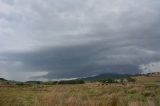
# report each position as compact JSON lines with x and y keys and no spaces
{"x":59,"y":39}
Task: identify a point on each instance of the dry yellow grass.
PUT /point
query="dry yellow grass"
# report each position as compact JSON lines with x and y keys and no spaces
{"x":148,"y":78}
{"x":81,"y":95}
{"x":149,"y":103}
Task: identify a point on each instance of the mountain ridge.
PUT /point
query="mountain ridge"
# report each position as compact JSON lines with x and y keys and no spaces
{"x":105,"y":76}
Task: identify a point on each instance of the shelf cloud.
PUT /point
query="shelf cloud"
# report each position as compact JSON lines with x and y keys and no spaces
{"x":59,"y":39}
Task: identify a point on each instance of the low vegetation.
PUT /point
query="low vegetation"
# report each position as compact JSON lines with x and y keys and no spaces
{"x":78,"y":93}
{"x":81,"y":95}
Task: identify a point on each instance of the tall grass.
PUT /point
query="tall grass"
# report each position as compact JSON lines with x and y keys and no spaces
{"x":81,"y":95}
{"x":96,"y":96}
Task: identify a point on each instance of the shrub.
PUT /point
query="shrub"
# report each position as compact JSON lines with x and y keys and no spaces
{"x":109,"y":80}
{"x":71,"y":82}
{"x":50,"y":83}
{"x":131,"y":79}
{"x":148,"y":93}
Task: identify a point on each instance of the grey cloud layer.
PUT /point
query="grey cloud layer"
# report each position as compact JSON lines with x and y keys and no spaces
{"x":82,"y":60}
{"x":76,"y":38}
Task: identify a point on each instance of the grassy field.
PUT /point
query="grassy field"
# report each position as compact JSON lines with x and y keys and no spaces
{"x":89,"y":94}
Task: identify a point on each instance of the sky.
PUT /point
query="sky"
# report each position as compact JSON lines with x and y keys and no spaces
{"x":65,"y":39}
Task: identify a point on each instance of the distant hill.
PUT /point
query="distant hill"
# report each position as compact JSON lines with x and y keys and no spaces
{"x":34,"y":82}
{"x":105,"y":76}
{"x":2,"y":79}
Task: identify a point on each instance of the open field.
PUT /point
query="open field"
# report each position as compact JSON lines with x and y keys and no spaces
{"x":144,"y":92}
{"x":81,"y":95}
{"x":148,"y":79}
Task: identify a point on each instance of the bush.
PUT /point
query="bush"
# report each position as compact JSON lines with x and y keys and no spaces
{"x":148,"y":93}
{"x":20,"y":83}
{"x":50,"y":83}
{"x":109,"y":80}
{"x":71,"y":82}
{"x":131,"y":79}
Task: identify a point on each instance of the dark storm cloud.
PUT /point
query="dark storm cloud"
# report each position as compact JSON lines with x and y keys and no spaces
{"x":68,"y":39}
{"x":84,"y":60}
